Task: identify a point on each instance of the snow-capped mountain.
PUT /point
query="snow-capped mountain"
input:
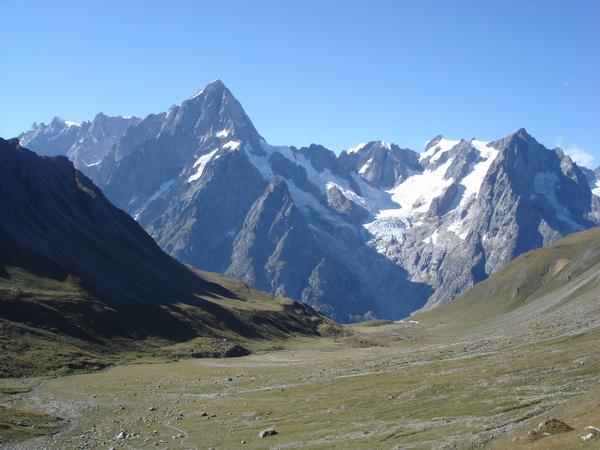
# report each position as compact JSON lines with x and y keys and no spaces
{"x":476,"y":206}
{"x":376,"y":231}
{"x":86,"y":144}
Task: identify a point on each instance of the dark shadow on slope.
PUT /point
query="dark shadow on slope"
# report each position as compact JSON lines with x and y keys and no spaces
{"x":89,"y":315}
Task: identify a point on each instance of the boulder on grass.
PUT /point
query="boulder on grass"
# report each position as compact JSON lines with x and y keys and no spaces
{"x":548,"y":427}
{"x":266,"y":433}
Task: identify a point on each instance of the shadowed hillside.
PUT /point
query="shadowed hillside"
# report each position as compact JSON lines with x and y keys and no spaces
{"x":80,"y":280}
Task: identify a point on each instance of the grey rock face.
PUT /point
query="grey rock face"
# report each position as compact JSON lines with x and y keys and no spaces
{"x":52,"y":139}
{"x":381,"y":163}
{"x":352,"y":211}
{"x":96,"y":138}
{"x":85,"y":144}
{"x":274,"y":235}
{"x":198,"y":221}
{"x":378,"y":231}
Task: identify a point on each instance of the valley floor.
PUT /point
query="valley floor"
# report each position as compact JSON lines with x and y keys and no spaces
{"x":388,"y":386}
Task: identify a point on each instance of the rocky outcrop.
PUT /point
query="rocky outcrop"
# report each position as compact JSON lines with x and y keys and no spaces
{"x":382,"y":163}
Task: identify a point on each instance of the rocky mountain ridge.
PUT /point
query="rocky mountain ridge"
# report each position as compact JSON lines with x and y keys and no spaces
{"x":86,"y":144}
{"x":378,"y":231}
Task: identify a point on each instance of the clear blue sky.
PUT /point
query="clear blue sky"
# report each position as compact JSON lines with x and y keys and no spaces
{"x":332,"y":72}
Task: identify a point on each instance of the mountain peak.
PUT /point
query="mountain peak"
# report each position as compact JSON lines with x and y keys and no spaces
{"x":387,"y":145}
{"x":384,"y":144}
{"x":519,"y":135}
{"x":216,"y":86}
{"x":218,"y":83}
{"x":57,"y":122}
{"x":523,"y":134}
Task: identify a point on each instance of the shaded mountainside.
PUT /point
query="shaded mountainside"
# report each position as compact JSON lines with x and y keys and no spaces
{"x":79,"y":275}
{"x":378,"y":231}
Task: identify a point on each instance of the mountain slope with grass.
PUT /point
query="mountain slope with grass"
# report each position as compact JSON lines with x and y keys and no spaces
{"x":555,"y":288}
{"x":81,"y":282}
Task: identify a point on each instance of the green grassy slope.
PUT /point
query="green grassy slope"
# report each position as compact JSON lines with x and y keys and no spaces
{"x":50,"y":321}
{"x":537,"y":287}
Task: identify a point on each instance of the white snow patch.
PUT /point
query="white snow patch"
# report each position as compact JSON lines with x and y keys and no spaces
{"x":305,"y":201}
{"x":438,"y":150}
{"x":233,"y":145}
{"x":400,"y":207}
{"x":375,"y":199}
{"x":596,"y":189}
{"x":365,"y":166}
{"x":261,"y":162}
{"x":223,"y":133}
{"x":432,"y":239}
{"x":387,"y":231}
{"x":358,"y":148}
{"x":472,"y":182}
{"x":457,"y":227}
{"x":200,"y":92}
{"x":93,"y":164}
{"x":70,"y":123}
{"x":399,"y":322}
{"x":415,"y":194}
{"x":323,"y":180}
{"x":319,"y":179}
{"x":169,"y":112}
{"x":200,"y":164}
